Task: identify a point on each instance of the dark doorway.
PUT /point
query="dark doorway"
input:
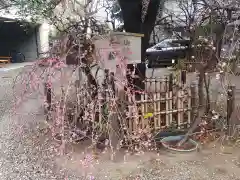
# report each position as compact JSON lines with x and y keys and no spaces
{"x":18,"y":40}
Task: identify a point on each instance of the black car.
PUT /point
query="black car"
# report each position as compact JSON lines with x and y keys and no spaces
{"x":167,"y":52}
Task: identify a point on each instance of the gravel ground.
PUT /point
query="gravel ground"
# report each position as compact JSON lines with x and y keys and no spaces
{"x":27,"y":152}
{"x":200,"y":166}
{"x":22,"y":156}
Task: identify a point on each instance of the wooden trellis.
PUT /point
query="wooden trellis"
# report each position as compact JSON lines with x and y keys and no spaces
{"x":166,"y":102}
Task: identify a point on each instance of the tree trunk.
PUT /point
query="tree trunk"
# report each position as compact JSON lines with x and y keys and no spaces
{"x":218,"y":43}
{"x":148,"y":25}
{"x":131,"y":11}
{"x":200,"y":88}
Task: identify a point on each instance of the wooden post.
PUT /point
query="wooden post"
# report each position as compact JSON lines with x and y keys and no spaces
{"x":230,"y":105}
{"x":106,"y":85}
{"x":178,"y":108}
{"x":166,"y":84}
{"x":155,"y":110}
{"x":114,"y":138}
{"x":122,"y":109}
{"x":146,"y":104}
{"x":48,"y":94}
{"x":78,"y":94}
{"x":183,"y":77}
{"x":170,"y":108}
{"x":155,"y":97}
{"x":189,"y":111}
{"x":170,"y":82}
{"x":234,"y":65}
{"x":112,"y":83}
{"x":159,"y":103}
{"x":193,"y":101}
{"x":115,"y":117}
{"x":106,"y":78}
{"x":100,"y":100}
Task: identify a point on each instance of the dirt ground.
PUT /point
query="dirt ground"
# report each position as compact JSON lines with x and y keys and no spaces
{"x":211,"y":162}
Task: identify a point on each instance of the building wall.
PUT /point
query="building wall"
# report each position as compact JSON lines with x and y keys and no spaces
{"x":36,"y":45}
{"x":43,"y":39}
{"x":29,"y":47}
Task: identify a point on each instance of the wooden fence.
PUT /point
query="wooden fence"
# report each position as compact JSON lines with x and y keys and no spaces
{"x":165,"y":102}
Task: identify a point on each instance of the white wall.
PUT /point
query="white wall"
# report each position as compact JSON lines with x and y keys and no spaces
{"x":43,"y":39}
{"x":36,"y":45}
{"x":29,"y":47}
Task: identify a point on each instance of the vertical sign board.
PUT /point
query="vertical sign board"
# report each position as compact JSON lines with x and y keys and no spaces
{"x":116,"y":50}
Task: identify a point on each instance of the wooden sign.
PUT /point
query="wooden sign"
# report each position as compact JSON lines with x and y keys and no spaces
{"x":118,"y":49}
